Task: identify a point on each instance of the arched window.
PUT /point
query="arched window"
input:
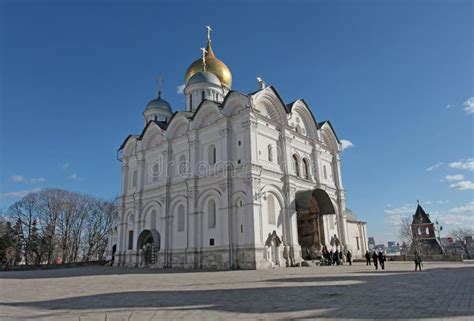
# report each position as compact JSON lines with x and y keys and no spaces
{"x":298,"y":129}
{"x":191,"y":101}
{"x":427,"y":231}
{"x":212,"y":155}
{"x":211,"y":208}
{"x":203,"y":95}
{"x":271,"y":209}
{"x":270,"y":153}
{"x":305,"y":168}
{"x":180,"y":218}
{"x":325,"y":172}
{"x":296,"y":165}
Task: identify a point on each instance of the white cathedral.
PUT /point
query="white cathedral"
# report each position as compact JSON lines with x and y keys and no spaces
{"x":236,"y":181}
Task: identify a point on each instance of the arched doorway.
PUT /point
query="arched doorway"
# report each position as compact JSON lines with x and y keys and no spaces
{"x":273,"y":245}
{"x":311,"y":205}
{"x":149,"y":244}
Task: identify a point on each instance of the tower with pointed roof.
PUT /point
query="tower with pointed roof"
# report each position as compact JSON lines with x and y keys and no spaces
{"x":423,"y":233}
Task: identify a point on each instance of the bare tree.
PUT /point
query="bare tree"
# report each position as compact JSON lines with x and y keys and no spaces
{"x":26,"y":212}
{"x":460,"y":236}
{"x":406,"y":235}
{"x":100,"y":222}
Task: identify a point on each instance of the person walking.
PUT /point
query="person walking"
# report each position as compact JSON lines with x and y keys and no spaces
{"x":417,"y":261}
{"x":381,"y":258}
{"x":349,"y":257}
{"x":367,"y":257}
{"x":375,"y":259}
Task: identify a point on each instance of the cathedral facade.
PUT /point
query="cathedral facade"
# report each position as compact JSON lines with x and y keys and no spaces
{"x":236,"y":181}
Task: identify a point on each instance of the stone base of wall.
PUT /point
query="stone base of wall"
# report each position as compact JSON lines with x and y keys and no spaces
{"x":218,"y":258}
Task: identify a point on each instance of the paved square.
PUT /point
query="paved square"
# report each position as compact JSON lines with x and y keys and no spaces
{"x":441,"y":291}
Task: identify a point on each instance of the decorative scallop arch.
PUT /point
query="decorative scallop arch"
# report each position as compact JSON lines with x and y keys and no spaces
{"x":301,"y":109}
{"x":178,"y":126}
{"x":206,"y":114}
{"x":234,"y":103}
{"x":329,"y":138}
{"x":152,"y":136}
{"x":213,"y":193}
{"x":268,"y":104}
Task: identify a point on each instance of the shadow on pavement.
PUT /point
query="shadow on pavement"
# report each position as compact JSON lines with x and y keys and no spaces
{"x":90,"y":271}
{"x":430,"y":294}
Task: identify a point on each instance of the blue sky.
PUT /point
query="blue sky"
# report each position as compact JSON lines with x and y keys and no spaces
{"x":395,"y":80}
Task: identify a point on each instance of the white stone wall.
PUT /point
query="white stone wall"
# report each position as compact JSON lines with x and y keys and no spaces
{"x":245,"y":183}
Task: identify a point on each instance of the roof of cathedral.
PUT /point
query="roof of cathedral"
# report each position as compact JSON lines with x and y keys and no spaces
{"x":158,"y":103}
{"x":420,"y":216}
{"x":204,"y":76}
{"x":320,"y":124}
{"x":213,"y":65}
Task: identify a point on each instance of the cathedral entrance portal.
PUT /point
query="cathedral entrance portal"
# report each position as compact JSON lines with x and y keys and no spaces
{"x":311,"y":206}
{"x":149,"y":244}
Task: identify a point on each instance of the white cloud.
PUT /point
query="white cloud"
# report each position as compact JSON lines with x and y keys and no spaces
{"x":180,"y":89}
{"x":399,"y":210}
{"x":429,"y":169}
{"x":428,"y":202}
{"x":75,"y":177}
{"x":33,"y":180}
{"x":462,"y":185}
{"x":442,"y":202}
{"x":469,"y":207}
{"x":65,"y":166}
{"x":18,"y":178}
{"x":469,"y":105}
{"x":346,"y":144}
{"x":36,"y":180}
{"x":18,"y":194}
{"x":448,"y":106}
{"x":463,"y":164}
{"x":457,"y":177}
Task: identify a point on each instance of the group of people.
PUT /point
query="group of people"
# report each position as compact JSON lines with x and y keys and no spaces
{"x":336,"y":257}
{"x":377,"y":258}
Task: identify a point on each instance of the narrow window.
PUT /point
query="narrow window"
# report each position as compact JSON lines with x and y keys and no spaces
{"x":296,"y":165}
{"x":212,"y":155}
{"x":211,"y":207}
{"x":357,"y":241}
{"x":130,"y":240}
{"x":180,"y":218}
{"x":154,"y":171}
{"x":203,"y":94}
{"x":271,"y":209}
{"x":305,"y":168}
{"x":325,"y":172}
{"x":270,"y":153}
{"x":182,"y":168}
{"x":427,"y":231}
{"x":241,"y":228}
{"x":211,"y":242}
{"x":134,"y":178}
{"x":190,"y":102}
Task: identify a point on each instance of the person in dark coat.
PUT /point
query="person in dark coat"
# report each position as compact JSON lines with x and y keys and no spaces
{"x":331,"y":257}
{"x":375,"y":259}
{"x":417,"y":261}
{"x":341,"y":257}
{"x":367,"y":257}
{"x":381,"y":258}
{"x":349,"y":257}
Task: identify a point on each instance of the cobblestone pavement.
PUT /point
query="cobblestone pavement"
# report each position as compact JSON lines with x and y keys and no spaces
{"x":440,"y":291}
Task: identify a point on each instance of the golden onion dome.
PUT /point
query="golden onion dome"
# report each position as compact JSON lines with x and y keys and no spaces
{"x":213,"y":65}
